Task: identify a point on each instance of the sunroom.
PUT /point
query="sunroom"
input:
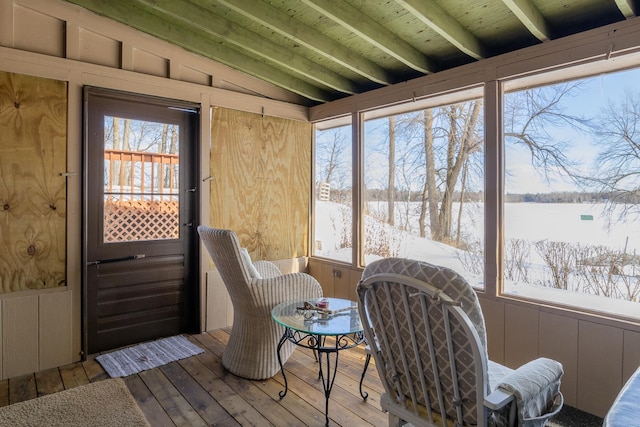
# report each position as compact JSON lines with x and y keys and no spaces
{"x":497,"y":138}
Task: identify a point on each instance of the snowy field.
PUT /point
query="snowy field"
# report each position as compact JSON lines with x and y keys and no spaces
{"x":561,"y":222}
{"x":585,"y":223}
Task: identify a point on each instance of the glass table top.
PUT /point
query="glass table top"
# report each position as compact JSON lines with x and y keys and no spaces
{"x":291,"y":315}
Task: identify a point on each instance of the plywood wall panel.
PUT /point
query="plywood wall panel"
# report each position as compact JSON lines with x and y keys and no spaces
{"x":54,"y":329}
{"x":294,"y":265}
{"x":558,"y":339}
{"x":33,"y":147}
{"x":19,"y":336}
{"x":599,"y":367}
{"x":262,"y":169}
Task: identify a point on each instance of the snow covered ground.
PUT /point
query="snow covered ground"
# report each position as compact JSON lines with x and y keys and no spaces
{"x":585,"y":223}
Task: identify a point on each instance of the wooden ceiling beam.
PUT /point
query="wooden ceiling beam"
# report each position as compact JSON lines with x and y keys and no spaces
{"x":205,"y":20}
{"x":530,"y":16}
{"x":437,"y":19}
{"x":150,"y":21}
{"x":308,"y":37}
{"x":374,"y":33}
{"x":627,"y":7}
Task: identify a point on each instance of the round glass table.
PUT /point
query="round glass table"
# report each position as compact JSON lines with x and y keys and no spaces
{"x":324,"y":333}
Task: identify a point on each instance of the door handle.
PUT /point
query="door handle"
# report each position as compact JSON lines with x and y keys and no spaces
{"x":122,"y":258}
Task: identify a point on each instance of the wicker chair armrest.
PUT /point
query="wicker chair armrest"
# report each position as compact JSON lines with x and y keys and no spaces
{"x":288,"y":287}
{"x":267,"y":269}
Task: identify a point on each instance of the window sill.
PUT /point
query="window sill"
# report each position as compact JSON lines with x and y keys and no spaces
{"x":589,"y":305}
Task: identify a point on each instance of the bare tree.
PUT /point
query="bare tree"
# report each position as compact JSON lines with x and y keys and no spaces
{"x":449,"y":135}
{"x":515,"y":264}
{"x":173,"y":149}
{"x":429,"y":192}
{"x":329,"y":153}
{"x":126,"y":166}
{"x":115,"y":136}
{"x":560,"y":257}
{"x":333,"y":162}
{"x":528,"y":117}
{"x":461,"y":142}
{"x":163,"y":148}
{"x":439,"y":150}
{"x":617,"y":166}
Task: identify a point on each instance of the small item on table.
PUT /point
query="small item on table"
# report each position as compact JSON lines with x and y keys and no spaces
{"x":323,"y":308}
{"x":324,"y":311}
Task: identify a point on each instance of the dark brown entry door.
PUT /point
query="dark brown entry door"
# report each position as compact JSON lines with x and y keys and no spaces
{"x":140,"y":278}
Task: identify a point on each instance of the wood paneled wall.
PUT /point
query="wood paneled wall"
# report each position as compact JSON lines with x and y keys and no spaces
{"x":261,"y":170}
{"x":598,"y":356}
{"x":36,"y":332}
{"x":338,"y":281}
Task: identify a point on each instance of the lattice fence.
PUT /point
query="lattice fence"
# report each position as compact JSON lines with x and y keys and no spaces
{"x":126,"y":221}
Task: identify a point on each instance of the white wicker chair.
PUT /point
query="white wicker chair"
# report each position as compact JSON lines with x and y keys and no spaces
{"x":426,"y":329}
{"x":254,"y":288}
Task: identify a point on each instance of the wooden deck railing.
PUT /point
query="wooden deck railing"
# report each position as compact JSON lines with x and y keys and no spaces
{"x":140,"y":174}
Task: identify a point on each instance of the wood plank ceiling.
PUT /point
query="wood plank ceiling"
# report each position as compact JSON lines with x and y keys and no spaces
{"x":324,"y":50}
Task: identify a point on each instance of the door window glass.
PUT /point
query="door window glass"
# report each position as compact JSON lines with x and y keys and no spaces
{"x":141,"y":180}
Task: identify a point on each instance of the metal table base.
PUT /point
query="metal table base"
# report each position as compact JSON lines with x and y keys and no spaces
{"x":324,"y":350}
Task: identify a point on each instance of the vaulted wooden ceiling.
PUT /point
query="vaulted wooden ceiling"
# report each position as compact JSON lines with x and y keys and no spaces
{"x":328,"y":49}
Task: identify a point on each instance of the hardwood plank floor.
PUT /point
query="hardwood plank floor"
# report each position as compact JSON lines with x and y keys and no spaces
{"x":198,"y":391}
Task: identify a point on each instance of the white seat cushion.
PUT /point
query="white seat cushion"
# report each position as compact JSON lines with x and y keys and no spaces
{"x":253,"y":272}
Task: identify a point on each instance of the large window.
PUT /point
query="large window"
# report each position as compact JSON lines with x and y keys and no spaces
{"x":423,"y":186}
{"x":572,"y":193}
{"x":141,"y":180}
{"x":564,"y":181}
{"x":333,"y":213}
